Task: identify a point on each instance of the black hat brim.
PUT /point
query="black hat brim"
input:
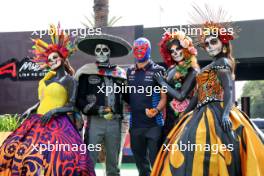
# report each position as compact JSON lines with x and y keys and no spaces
{"x":118,"y":46}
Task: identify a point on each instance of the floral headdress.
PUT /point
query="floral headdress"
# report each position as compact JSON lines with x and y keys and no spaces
{"x":184,"y":41}
{"x":61,"y":43}
{"x":210,"y":22}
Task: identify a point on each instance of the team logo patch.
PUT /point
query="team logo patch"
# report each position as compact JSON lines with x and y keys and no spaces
{"x":93,"y":79}
{"x":149,"y":73}
{"x":132,"y":72}
{"x":91,"y":98}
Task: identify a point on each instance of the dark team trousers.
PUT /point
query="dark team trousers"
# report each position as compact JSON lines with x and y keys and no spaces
{"x":145,"y":144}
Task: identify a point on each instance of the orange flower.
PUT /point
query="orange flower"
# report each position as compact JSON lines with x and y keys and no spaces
{"x":186,"y":53}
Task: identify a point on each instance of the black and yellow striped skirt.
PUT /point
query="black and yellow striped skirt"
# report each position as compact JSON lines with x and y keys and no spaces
{"x":198,"y":146}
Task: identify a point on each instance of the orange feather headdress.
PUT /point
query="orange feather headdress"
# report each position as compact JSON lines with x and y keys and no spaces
{"x":61,"y":43}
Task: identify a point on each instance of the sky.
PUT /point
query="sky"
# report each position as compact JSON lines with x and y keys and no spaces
{"x":29,"y":15}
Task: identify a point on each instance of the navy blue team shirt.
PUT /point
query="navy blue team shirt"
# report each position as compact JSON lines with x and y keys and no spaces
{"x":139,"y":101}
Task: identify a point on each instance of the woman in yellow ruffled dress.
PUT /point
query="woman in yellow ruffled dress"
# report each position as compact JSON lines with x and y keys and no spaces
{"x":215,"y":138}
{"x":47,"y":142}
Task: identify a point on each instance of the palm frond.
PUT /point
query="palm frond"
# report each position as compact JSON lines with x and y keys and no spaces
{"x":114,"y":20}
{"x":90,"y":23}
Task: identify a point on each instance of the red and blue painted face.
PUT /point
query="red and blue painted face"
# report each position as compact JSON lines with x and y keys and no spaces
{"x":141,"y":49}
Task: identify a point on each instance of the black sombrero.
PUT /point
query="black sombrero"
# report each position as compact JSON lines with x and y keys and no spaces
{"x":118,"y":46}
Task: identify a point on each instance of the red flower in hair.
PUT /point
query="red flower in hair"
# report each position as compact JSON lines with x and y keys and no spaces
{"x":185,"y":42}
{"x":225,"y":38}
{"x":165,"y":54}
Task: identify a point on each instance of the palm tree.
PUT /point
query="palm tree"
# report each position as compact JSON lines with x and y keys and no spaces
{"x":101,"y":11}
{"x":100,"y":15}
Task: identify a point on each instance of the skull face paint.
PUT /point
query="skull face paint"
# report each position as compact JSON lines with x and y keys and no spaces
{"x":102,"y":52}
{"x":176,"y":53}
{"x":54,"y":60}
{"x":141,"y":49}
{"x":213,"y":45}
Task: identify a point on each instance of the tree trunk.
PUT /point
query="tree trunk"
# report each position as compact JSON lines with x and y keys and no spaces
{"x":101,"y":13}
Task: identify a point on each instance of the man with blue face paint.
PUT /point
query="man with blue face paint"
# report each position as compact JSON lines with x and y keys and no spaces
{"x":146,"y":117}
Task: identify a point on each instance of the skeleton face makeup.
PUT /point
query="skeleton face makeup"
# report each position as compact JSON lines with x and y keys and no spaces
{"x":54,"y":60}
{"x":102,"y":52}
{"x":213,"y":45}
{"x":176,"y":53}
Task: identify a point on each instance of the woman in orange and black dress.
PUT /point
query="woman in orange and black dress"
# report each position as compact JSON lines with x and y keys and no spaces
{"x":215,"y":138}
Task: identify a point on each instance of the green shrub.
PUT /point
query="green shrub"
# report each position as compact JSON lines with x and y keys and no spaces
{"x":8,"y":122}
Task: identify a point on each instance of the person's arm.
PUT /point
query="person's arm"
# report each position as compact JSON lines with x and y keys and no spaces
{"x":162,"y":102}
{"x":27,"y":113}
{"x":225,"y":76}
{"x":160,"y":106}
{"x":125,"y":95}
{"x":81,"y":100}
{"x":192,"y":104}
{"x":186,"y":88}
{"x":163,"y":95}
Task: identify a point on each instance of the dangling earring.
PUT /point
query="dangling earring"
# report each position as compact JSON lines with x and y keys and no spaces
{"x":224,"y":49}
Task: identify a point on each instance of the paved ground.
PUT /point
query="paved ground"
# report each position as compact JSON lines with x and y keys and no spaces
{"x":126,"y":170}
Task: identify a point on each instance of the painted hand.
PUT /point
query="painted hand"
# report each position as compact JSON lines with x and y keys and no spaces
{"x":151,"y":112}
{"x":159,"y":77}
{"x":46,"y":117}
{"x":226,"y":123}
{"x":25,"y":115}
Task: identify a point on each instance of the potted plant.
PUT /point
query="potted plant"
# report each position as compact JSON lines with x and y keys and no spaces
{"x":8,"y":123}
